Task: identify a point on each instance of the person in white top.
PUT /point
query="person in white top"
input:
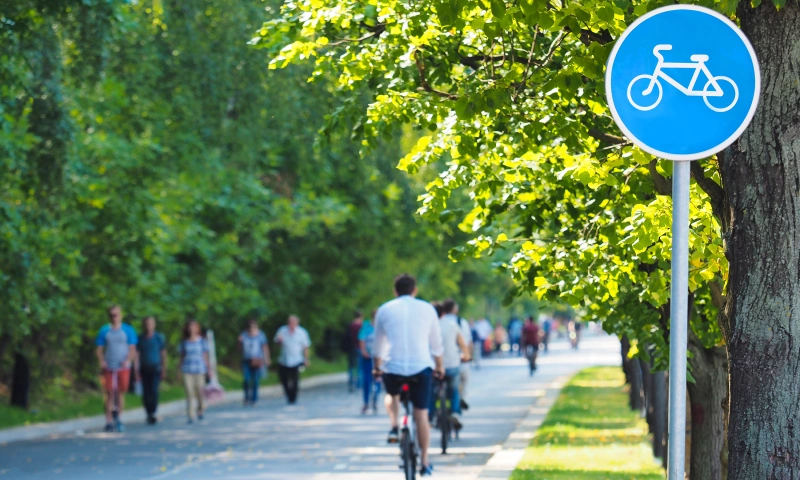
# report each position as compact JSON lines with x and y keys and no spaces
{"x":294,"y":342}
{"x":451,"y":307}
{"x":408,"y":345}
{"x":455,"y":350}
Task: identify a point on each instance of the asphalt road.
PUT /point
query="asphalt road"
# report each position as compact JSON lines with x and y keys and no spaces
{"x":324,"y":437}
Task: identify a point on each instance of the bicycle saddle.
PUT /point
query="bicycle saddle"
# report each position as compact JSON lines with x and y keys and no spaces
{"x":699,"y":58}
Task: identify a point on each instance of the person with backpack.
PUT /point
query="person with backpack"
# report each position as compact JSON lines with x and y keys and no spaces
{"x":255,"y":358}
{"x":152,"y":349}
{"x":116,"y":350}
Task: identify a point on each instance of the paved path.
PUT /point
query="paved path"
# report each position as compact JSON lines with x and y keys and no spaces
{"x":322,"y":438}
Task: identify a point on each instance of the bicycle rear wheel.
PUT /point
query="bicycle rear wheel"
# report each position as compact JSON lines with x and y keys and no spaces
{"x":444,"y":419}
{"x":409,"y":456}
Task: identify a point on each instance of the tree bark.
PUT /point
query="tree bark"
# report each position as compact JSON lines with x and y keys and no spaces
{"x":761,"y":175}
{"x":660,"y":414}
{"x":625,"y":347}
{"x":636,"y":394}
{"x":709,"y":401}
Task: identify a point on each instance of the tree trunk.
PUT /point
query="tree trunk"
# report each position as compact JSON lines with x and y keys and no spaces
{"x":625,"y":347}
{"x":647,"y":388}
{"x":660,"y":414}
{"x":761,"y":176}
{"x":708,"y":410}
{"x":636,"y":397}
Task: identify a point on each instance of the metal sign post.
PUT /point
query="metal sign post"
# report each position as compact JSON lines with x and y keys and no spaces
{"x":682,"y":83}
{"x":679,"y":320}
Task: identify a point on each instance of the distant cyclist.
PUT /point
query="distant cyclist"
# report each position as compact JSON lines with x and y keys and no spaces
{"x":408,"y":347}
{"x":455,"y":349}
{"x":116,"y":351}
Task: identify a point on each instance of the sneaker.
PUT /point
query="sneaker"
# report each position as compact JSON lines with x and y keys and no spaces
{"x":189,"y":421}
{"x":394,"y":435}
{"x":364,"y":410}
{"x":200,"y":417}
{"x":426,"y":471}
{"x":120,"y":427}
{"x":109,"y":427}
{"x":464,"y":405}
{"x":456,"y":422}
{"x":151,"y":420}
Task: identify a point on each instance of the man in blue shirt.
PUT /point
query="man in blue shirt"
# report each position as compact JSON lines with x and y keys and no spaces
{"x":152,"y":349}
{"x":116,"y":350}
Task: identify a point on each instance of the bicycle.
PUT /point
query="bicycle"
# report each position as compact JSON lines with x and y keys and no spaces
{"x":408,"y":442}
{"x":442,"y":417}
{"x":698,"y":65}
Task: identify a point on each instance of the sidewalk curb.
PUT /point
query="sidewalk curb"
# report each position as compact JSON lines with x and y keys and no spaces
{"x":79,"y":425}
{"x":503,"y":463}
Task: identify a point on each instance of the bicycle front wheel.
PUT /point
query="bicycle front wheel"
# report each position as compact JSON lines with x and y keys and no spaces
{"x":409,"y":456}
{"x":444,"y":416}
{"x":640,"y":97}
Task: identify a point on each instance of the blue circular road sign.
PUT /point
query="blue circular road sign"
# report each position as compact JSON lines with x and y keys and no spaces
{"x":683,"y":82}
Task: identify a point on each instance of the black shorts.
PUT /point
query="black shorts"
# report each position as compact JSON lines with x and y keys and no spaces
{"x":420,"y":387}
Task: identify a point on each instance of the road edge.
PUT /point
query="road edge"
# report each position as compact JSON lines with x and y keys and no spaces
{"x":77,"y":426}
{"x":503,"y":463}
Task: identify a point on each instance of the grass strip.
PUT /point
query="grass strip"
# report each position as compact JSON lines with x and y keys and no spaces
{"x":591,"y":434}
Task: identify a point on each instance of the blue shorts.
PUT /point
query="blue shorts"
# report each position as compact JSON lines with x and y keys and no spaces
{"x":420,"y":387}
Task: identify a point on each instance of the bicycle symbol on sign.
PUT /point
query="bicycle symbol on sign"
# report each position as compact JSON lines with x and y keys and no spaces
{"x":712,"y":89}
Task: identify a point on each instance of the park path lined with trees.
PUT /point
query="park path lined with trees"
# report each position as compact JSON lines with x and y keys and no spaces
{"x":512,"y":95}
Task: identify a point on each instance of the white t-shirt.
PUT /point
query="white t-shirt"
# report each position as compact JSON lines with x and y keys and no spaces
{"x":450,"y":333}
{"x":407,"y":336}
{"x":293,"y":346}
{"x":466,"y":332}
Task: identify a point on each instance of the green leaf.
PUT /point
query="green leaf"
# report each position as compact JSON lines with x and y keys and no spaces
{"x":498,"y":8}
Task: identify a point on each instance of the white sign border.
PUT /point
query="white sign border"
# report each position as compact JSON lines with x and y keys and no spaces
{"x":690,"y":156}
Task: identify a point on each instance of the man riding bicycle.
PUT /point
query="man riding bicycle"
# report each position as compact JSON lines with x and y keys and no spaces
{"x":408,"y":350}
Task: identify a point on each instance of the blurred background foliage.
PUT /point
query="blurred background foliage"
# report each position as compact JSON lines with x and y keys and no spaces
{"x":150,"y":158}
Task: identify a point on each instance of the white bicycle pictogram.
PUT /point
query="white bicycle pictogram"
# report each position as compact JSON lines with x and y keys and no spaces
{"x":698,"y":65}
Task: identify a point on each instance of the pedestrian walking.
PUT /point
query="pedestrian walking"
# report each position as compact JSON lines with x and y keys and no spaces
{"x":530,"y":342}
{"x":370,"y":385}
{"x":152,"y":349}
{"x":515,"y":335}
{"x":500,"y":336}
{"x":547,"y":327}
{"x":295,"y":343}
{"x":116,"y":351}
{"x":353,"y":351}
{"x":477,"y":346}
{"x":255,"y":360}
{"x":194,"y":364}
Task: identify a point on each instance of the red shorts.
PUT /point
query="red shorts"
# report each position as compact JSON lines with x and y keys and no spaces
{"x":123,"y":380}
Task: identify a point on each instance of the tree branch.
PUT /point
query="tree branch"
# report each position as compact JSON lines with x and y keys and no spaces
{"x":376,"y":31}
{"x":604,"y":137}
{"x":716,"y":194}
{"x":423,"y":81}
{"x":662,"y":185}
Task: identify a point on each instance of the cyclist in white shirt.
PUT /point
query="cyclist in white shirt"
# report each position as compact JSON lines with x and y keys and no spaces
{"x":408,"y":345}
{"x":450,"y":307}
